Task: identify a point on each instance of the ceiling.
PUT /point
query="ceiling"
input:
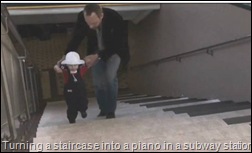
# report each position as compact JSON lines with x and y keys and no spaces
{"x":67,"y":13}
{"x":41,"y":20}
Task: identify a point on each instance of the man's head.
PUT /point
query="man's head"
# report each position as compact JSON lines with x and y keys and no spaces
{"x":93,"y":15}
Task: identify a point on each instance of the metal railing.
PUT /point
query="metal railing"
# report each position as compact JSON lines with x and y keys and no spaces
{"x":19,"y":83}
{"x":209,"y":50}
{"x":10,"y":27}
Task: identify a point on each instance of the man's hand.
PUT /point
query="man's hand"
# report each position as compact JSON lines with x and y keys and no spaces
{"x":91,"y":60}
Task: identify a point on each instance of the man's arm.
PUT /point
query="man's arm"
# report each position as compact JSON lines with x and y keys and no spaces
{"x":79,"y":33}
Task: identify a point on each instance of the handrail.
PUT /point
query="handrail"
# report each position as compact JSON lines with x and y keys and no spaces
{"x":6,"y":24}
{"x":11,"y":27}
{"x":15,"y":54}
{"x":178,"y":57}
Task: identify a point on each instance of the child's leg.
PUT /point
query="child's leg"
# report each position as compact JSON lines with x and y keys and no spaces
{"x":83,"y":105}
{"x":71,"y":114}
{"x":72,"y":110}
{"x":82,"y":99}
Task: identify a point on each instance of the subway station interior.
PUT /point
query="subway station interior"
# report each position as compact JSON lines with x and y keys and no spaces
{"x":186,"y":87}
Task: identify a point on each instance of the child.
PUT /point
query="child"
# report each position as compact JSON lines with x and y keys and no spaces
{"x":75,"y":95}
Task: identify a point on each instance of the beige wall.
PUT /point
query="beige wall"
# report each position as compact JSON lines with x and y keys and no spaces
{"x":178,"y":28}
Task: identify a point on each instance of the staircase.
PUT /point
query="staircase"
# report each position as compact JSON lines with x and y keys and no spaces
{"x":148,"y":123}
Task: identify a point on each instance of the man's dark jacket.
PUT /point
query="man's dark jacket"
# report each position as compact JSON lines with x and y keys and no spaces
{"x":114,"y":33}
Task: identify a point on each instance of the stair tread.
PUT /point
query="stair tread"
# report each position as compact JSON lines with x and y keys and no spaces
{"x":236,"y":120}
{"x":149,"y":100}
{"x":128,"y":134}
{"x":197,"y":107}
{"x":140,"y":124}
{"x":221,"y":108}
{"x":190,"y":100}
{"x":177,"y":122}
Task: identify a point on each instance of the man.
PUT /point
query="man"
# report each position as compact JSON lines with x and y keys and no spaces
{"x":107,"y":47}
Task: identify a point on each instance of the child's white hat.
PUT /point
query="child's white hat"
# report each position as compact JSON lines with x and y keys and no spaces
{"x":72,"y":58}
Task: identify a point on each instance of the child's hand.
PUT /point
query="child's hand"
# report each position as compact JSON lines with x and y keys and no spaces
{"x":63,"y":57}
{"x":57,"y":69}
{"x":57,"y":66}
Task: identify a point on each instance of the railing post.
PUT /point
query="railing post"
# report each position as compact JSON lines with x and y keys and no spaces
{"x":32,"y":88}
{"x":36,"y":87}
{"x":209,"y":51}
{"x":21,"y":60}
{"x":8,"y":106}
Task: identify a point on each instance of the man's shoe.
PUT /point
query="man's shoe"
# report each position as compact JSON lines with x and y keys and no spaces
{"x":101,"y":114}
{"x":110,"y":115}
{"x":84,"y":114}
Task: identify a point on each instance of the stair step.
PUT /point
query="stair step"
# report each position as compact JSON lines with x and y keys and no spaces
{"x":193,"y":103}
{"x":159,"y":104}
{"x":126,"y":134}
{"x":121,"y":116}
{"x":125,"y":95}
{"x":198,"y":107}
{"x":237,"y":120}
{"x":133,"y":96}
{"x":137,"y":99}
{"x":59,"y":118}
{"x":168,"y":143}
{"x":231,"y":114}
{"x":160,"y":119}
{"x":151,"y":124}
{"x":159,"y":101}
{"x":148,"y":100}
{"x":221,"y":108}
{"x":176,"y":121}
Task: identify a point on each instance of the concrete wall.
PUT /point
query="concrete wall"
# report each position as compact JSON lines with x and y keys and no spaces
{"x":179,"y":28}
